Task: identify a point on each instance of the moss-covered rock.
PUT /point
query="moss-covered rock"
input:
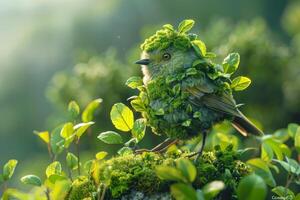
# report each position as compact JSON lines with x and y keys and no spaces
{"x":132,"y":174}
{"x":82,"y":188}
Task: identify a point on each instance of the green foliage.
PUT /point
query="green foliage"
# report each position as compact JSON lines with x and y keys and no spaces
{"x":167,"y":36}
{"x":122,"y":117}
{"x":88,"y":113}
{"x":72,"y":161}
{"x":81,"y":188}
{"x":150,"y":172}
{"x":8,"y":169}
{"x":240,"y":83}
{"x":74,"y":109}
{"x":110,"y":137}
{"x":252,"y":187}
{"x":31,"y":180}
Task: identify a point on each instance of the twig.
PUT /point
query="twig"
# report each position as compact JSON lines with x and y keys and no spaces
{"x":78,"y":156}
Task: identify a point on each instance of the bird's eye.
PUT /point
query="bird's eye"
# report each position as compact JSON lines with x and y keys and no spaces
{"x":166,"y":56}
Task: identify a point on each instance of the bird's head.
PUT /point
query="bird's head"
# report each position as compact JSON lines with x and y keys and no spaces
{"x":168,"y":51}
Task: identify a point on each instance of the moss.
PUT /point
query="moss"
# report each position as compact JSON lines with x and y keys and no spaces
{"x":128,"y":173}
{"x":167,"y":37}
{"x":82,"y":188}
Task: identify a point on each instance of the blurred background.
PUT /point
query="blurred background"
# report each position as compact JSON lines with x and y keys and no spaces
{"x":52,"y":52}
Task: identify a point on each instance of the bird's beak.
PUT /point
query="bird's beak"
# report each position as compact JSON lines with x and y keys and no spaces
{"x":143,"y":62}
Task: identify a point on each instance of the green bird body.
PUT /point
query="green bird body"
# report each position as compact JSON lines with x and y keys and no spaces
{"x":184,"y":93}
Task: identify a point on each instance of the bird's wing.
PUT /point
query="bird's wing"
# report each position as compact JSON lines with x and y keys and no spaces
{"x":223,"y":103}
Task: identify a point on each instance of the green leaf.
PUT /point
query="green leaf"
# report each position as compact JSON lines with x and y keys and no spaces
{"x":56,"y":177}
{"x":191,"y":71}
{"x":240,"y":83}
{"x":73,"y":109}
{"x":212,"y":189}
{"x":170,"y":173}
{"x":137,"y":104}
{"x":275,"y":146}
{"x":72,"y":161}
{"x":101,"y":155}
{"x":292,"y":129}
{"x":9,"y":169}
{"x":31,"y":180}
{"x":295,"y":167}
{"x":44,"y":135}
{"x":187,"y":169}
{"x":67,"y":130}
{"x":80,"y":129}
{"x":88,"y":164}
{"x":231,"y":63}
{"x":61,"y":189}
{"x":182,"y":191}
{"x":199,"y":47}
{"x":88,"y":113}
{"x":169,"y":27}
{"x":186,"y":25}
{"x":266,"y":152}
{"x":131,"y":143}
{"x":282,"y":135}
{"x":134,"y":82}
{"x":297,"y":140}
{"x":283,"y":192}
{"x":53,"y":168}
{"x":285,"y":165}
{"x":122,"y":117}
{"x":252,"y":187}
{"x":110,"y":137}
{"x":261,"y":168}
{"x":125,"y":151}
{"x":139,"y":128}
{"x":56,"y":141}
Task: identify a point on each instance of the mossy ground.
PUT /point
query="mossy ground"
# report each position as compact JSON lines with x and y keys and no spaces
{"x":127,"y":175}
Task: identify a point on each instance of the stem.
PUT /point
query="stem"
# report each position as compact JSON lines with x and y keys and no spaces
{"x":103,"y":192}
{"x":78,"y":156}
{"x":47,"y":194}
{"x":4,"y":186}
{"x":289,"y":180}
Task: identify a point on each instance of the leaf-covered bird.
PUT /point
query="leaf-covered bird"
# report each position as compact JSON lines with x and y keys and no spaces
{"x":184,"y":93}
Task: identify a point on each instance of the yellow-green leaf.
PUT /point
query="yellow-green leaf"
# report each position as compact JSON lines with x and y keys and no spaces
{"x":240,"y":83}
{"x":74,"y":109}
{"x":182,"y":191}
{"x":187,"y":169}
{"x":88,"y":113}
{"x":199,"y":47}
{"x":53,"y":168}
{"x":100,"y":155}
{"x":67,"y":130}
{"x":138,"y":130}
{"x":72,"y":161}
{"x":134,"y":82}
{"x":186,"y":25}
{"x":122,"y":117}
{"x":170,"y":173}
{"x":231,"y":63}
{"x":44,"y":135}
{"x":9,"y":169}
{"x":80,"y":129}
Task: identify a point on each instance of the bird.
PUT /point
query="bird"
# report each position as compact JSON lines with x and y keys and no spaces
{"x":184,"y":92}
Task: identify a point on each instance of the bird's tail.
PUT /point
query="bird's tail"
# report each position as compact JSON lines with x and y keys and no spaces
{"x":243,"y":125}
